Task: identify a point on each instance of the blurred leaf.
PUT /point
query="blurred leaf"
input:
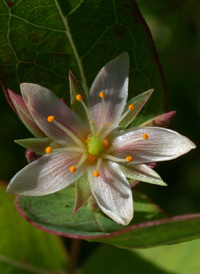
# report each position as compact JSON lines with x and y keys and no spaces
{"x":112,"y":260}
{"x":41,"y":40}
{"x":149,"y":227}
{"x":23,"y":248}
{"x":180,"y":258}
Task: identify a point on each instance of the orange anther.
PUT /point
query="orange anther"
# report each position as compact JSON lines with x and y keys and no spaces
{"x":145,"y":136}
{"x":48,"y":150}
{"x":96,"y":173}
{"x":72,"y":169}
{"x":50,"y":118}
{"x":131,"y":106}
{"x":86,"y":141}
{"x":129,"y":159}
{"x":79,"y":97}
{"x":102,"y":94}
{"x":92,"y":158}
{"x":105,"y":143}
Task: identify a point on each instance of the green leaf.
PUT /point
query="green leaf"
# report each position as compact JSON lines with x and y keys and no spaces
{"x":112,"y":260}
{"x":149,"y":227}
{"x":180,"y":258}
{"x":23,"y":248}
{"x":41,"y":40}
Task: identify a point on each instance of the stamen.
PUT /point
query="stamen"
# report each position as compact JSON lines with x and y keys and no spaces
{"x":102,"y":95}
{"x":50,"y":118}
{"x":72,"y":169}
{"x":129,"y":159}
{"x":48,"y":150}
{"x":116,"y":123}
{"x":113,"y":158}
{"x":92,"y":158}
{"x":87,"y":140}
{"x":96,"y":173}
{"x":131,"y":106}
{"x":73,"y":149}
{"x":145,"y":136}
{"x":79,"y":97}
{"x":74,"y":138}
{"x":105,"y":144}
{"x":82,"y":160}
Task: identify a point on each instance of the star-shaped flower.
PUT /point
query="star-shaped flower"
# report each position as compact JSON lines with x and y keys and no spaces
{"x":90,"y":145}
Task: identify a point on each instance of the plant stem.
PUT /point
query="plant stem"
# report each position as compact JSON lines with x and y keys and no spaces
{"x":75,"y":250}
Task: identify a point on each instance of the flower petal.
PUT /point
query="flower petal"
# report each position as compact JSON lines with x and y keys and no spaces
{"x":162,"y":120}
{"x":142,"y":173}
{"x":42,"y":103}
{"x":24,"y":114}
{"x":162,"y":144}
{"x":138,"y":102}
{"x":37,"y":145}
{"x":46,"y":175}
{"x":113,"y":81}
{"x":83,"y":192}
{"x":112,"y":192}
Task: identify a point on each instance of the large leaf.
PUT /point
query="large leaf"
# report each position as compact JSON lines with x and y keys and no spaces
{"x":41,"y":40}
{"x":150,"y":226}
{"x":23,"y":248}
{"x":180,"y":258}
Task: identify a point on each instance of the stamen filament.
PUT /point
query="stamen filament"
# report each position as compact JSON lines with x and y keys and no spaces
{"x":73,"y":149}
{"x":82,"y":160}
{"x":116,"y":123}
{"x":103,"y":111}
{"x":74,"y":138}
{"x":113,"y":158}
{"x":123,"y":143}
{"x":99,"y":161}
{"x":79,"y":98}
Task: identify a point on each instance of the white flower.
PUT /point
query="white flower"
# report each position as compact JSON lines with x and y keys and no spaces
{"x":92,"y":148}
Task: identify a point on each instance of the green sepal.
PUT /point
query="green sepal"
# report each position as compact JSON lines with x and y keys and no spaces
{"x":83,"y":192}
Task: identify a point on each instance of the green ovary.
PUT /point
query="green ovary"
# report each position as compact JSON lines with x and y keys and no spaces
{"x":95,"y":145}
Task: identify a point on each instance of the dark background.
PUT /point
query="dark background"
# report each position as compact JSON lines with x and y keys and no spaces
{"x":175,"y":26}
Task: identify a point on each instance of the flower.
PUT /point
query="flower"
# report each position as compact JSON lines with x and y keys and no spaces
{"x":92,"y":147}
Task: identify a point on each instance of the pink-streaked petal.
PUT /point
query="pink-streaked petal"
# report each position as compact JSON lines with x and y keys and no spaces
{"x":37,"y":145}
{"x":162,"y":144}
{"x":142,"y":173}
{"x":112,"y":192}
{"x":24,"y":114}
{"x":83,"y":192}
{"x":42,"y":103}
{"x":113,"y":81}
{"x":138,"y":102}
{"x":46,"y":175}
{"x":162,"y":120}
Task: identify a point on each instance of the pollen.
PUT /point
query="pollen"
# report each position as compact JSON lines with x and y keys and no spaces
{"x":79,"y":97}
{"x":145,"y":136}
{"x":48,"y":150}
{"x":96,"y":173}
{"x":86,"y":141}
{"x":105,"y":144}
{"x":109,"y":124}
{"x":50,"y":118}
{"x":131,"y":106}
{"x":102,"y":94}
{"x":129,"y":159}
{"x":72,"y":169}
{"x":92,"y":158}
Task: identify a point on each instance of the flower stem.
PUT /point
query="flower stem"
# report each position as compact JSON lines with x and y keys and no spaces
{"x":75,"y":250}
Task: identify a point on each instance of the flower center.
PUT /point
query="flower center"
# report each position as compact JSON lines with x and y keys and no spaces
{"x":95,"y":145}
